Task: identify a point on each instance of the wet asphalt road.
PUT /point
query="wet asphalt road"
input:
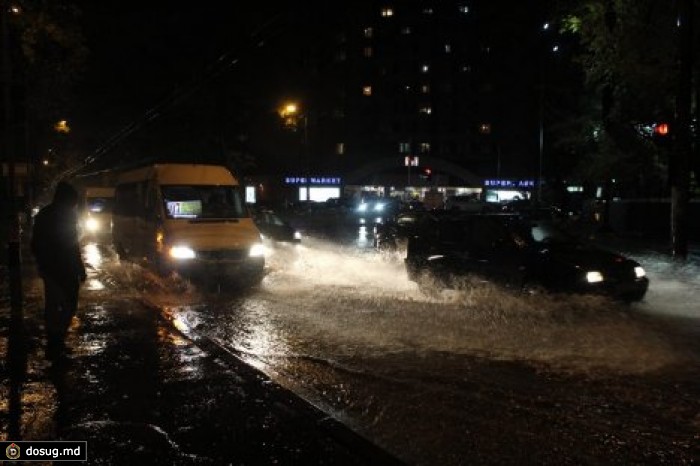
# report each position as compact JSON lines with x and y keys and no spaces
{"x":474,"y":376}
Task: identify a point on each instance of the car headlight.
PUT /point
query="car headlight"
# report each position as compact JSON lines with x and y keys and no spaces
{"x":257,"y":250}
{"x":92,"y":224}
{"x":182,"y":252}
{"x":594,"y":277}
{"x":362,"y":207}
{"x":378,"y":207}
{"x":639,"y":272}
{"x":297,"y":235}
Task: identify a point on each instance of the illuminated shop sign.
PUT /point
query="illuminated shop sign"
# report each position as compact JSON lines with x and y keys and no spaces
{"x":314,"y":180}
{"x":509,"y":184}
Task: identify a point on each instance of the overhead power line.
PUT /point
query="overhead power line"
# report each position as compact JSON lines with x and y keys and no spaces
{"x":257,"y":39}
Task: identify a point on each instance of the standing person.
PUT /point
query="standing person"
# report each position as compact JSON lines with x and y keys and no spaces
{"x":57,"y":252}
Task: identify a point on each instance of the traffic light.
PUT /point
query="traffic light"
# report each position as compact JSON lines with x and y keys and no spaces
{"x":662,"y":134}
{"x":427,"y":174}
{"x":661,"y":129}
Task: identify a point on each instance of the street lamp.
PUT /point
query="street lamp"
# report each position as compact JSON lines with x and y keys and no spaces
{"x":291,"y":114}
{"x":61,"y":126}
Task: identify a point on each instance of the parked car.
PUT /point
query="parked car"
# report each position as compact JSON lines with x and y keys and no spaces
{"x":467,"y":203}
{"x":520,"y":253}
{"x":272,"y":227}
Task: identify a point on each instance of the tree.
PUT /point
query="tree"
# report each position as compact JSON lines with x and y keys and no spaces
{"x":637,"y":56}
{"x":627,"y":55}
{"x":48,"y":55}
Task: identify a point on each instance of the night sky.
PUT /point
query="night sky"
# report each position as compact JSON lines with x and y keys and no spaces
{"x":164,"y":57}
{"x":142,"y":53}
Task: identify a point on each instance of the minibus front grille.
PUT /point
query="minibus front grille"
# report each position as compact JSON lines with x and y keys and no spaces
{"x":223,"y":255}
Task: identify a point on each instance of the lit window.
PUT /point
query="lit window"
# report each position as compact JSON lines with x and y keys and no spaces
{"x":367,"y":90}
{"x":425,"y":89}
{"x":448,"y":48}
{"x":386,"y":12}
{"x":406,"y":30}
{"x":368,"y":52}
{"x":466,"y":68}
{"x":404,"y":147}
{"x":425,"y":68}
{"x":425,"y":147}
{"x":426,"y":110}
{"x":340,"y":148}
{"x":464,"y":9}
{"x":368,"y":32}
{"x":427,"y":11}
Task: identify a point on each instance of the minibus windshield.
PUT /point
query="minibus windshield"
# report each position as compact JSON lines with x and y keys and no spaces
{"x":203,"y":202}
{"x":99,"y":205}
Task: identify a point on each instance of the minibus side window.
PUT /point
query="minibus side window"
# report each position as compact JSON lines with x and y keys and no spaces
{"x":128,"y":200}
{"x":150,"y":203}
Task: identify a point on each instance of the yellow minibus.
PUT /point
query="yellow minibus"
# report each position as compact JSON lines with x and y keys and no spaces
{"x":187,"y":218}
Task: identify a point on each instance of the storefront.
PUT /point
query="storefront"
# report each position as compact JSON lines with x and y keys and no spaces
{"x":506,"y":190}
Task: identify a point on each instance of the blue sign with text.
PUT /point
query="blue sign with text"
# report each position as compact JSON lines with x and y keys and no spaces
{"x":509,"y":184}
{"x":313,"y":180}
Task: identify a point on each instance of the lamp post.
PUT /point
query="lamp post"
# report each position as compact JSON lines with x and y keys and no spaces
{"x":291,"y":115}
{"x":14,"y":257}
{"x":543,"y":83}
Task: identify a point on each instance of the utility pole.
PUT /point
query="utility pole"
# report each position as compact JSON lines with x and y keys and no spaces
{"x":9,"y":147}
{"x":682,"y":147}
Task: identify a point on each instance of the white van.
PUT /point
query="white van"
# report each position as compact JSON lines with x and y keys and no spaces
{"x":187,"y":218}
{"x":96,"y":213}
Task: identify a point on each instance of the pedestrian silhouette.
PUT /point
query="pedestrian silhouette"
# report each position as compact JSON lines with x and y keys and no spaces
{"x":57,"y":252}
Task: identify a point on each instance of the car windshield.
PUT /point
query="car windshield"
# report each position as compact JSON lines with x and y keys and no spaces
{"x":99,"y":205}
{"x":203,"y":202}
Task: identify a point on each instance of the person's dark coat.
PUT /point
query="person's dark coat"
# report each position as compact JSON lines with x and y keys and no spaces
{"x":55,"y":242}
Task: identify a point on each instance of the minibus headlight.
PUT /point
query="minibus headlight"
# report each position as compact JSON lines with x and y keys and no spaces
{"x":297,"y":235}
{"x":182,"y":252}
{"x":594,"y":277}
{"x":257,"y":250}
{"x":92,"y":224}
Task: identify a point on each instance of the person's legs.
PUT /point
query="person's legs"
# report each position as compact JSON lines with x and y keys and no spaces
{"x":53,"y":297}
{"x":69,"y":305}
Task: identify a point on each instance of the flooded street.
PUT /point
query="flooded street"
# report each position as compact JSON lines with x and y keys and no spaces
{"x":475,"y":375}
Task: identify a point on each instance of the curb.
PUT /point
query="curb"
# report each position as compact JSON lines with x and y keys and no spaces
{"x":301,"y":407}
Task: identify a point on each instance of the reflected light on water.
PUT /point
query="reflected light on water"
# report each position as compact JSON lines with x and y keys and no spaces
{"x":362,"y":236}
{"x":94,"y":284}
{"x":93,"y":256}
{"x":180,"y":324}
